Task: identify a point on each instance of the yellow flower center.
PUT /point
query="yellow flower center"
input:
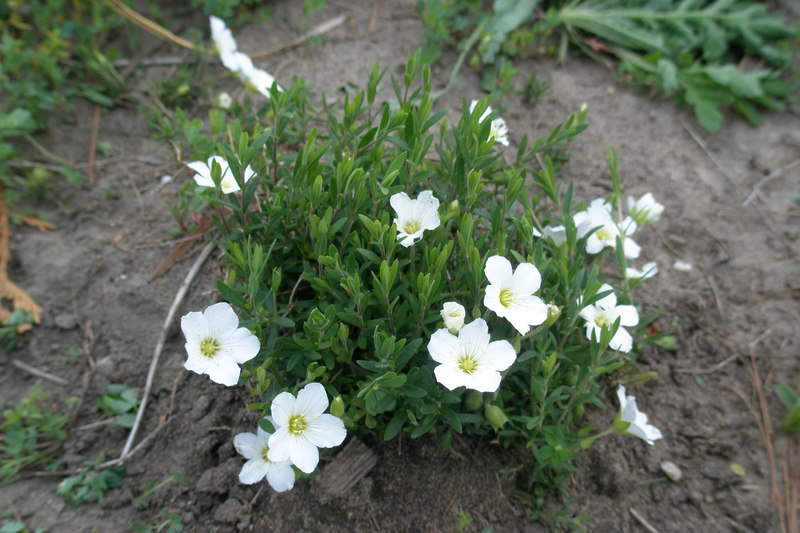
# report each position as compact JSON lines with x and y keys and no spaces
{"x":602,"y":321}
{"x":297,"y":424}
{"x":467,"y":363}
{"x":506,"y":297}
{"x":603,"y":234}
{"x":263,"y":454}
{"x":209,"y":347}
{"x":411,"y":227}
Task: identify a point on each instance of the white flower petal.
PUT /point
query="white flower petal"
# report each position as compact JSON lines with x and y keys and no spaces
{"x":627,"y":314}
{"x":248,"y":445}
{"x":281,"y":410}
{"x":304,"y":455}
{"x":621,"y":340}
{"x":474,"y":337}
{"x":312,"y":400}
{"x":484,"y":380}
{"x":221,"y":317}
{"x":444,"y":347}
{"x":253,"y":471}
{"x":224,"y":371}
{"x":240,"y":346}
{"x":526,"y":279}
{"x":498,"y":271}
{"x":449,"y":376}
{"x":280,"y":477}
{"x":194,"y":325}
{"x":499,"y":355}
{"x":326,"y":431}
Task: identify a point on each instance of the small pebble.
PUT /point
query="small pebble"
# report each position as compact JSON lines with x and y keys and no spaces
{"x":66,"y":321}
{"x":672,"y":471}
{"x":683,"y":266}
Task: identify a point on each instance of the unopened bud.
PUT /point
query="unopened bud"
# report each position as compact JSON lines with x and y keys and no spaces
{"x":473,"y":400}
{"x":495,"y":415}
{"x":453,"y":314}
{"x":337,"y":407}
{"x":553,"y":312}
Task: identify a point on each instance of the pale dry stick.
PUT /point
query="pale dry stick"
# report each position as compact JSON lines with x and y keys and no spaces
{"x":644,"y":523}
{"x":148,"y":25}
{"x":710,"y":369}
{"x":38,"y":373}
{"x":699,"y":140}
{"x":179,"y":296}
{"x":775,"y":174}
{"x":323,"y":28}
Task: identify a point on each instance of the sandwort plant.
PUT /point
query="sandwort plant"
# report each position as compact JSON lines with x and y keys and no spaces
{"x":388,"y":270}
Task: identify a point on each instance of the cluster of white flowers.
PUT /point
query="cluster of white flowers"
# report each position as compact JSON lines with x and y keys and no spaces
{"x":465,"y":354}
{"x":216,"y":346}
{"x":227,"y":183}
{"x":256,"y":79}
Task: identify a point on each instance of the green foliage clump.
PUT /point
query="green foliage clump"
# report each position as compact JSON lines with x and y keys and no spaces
{"x":31,"y":433}
{"x":710,"y":54}
{"x":314,"y":263}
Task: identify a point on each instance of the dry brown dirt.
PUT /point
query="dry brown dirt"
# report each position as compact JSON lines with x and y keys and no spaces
{"x":740,"y":298}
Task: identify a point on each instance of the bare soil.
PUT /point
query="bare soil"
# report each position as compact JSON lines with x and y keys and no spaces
{"x":739,"y":300}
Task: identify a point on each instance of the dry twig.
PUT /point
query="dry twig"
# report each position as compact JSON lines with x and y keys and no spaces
{"x":162,"y":338}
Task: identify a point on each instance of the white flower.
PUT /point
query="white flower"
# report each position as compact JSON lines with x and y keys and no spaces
{"x":630,"y":421}
{"x":301,"y":427}
{"x":557,"y":234}
{"x":453,"y":314}
{"x":224,"y":100}
{"x":216,"y":345}
{"x":598,"y":215}
{"x":255,"y":448}
{"x":224,"y":43}
{"x":414,"y":216}
{"x":604,"y":313}
{"x":648,"y":271}
{"x":498,"y":129}
{"x":470,"y":359}
{"x":227,"y":183}
{"x":510,"y":295}
{"x":645,"y":209}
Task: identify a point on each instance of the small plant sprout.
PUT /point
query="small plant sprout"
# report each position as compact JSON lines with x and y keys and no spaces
{"x":498,"y":130}
{"x":469,"y":359}
{"x":302,"y":427}
{"x":631,"y":421}
{"x":255,"y":448}
{"x":606,"y":230}
{"x":227,"y":183}
{"x":604,"y":313}
{"x":216,"y":345}
{"x":510,"y":294}
{"x":648,"y":271}
{"x":415,"y":216}
{"x":645,"y":209}
{"x":453,"y":314}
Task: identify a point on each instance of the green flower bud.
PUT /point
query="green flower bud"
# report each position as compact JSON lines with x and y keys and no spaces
{"x":495,"y":415}
{"x":473,"y":400}
{"x":337,"y":407}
